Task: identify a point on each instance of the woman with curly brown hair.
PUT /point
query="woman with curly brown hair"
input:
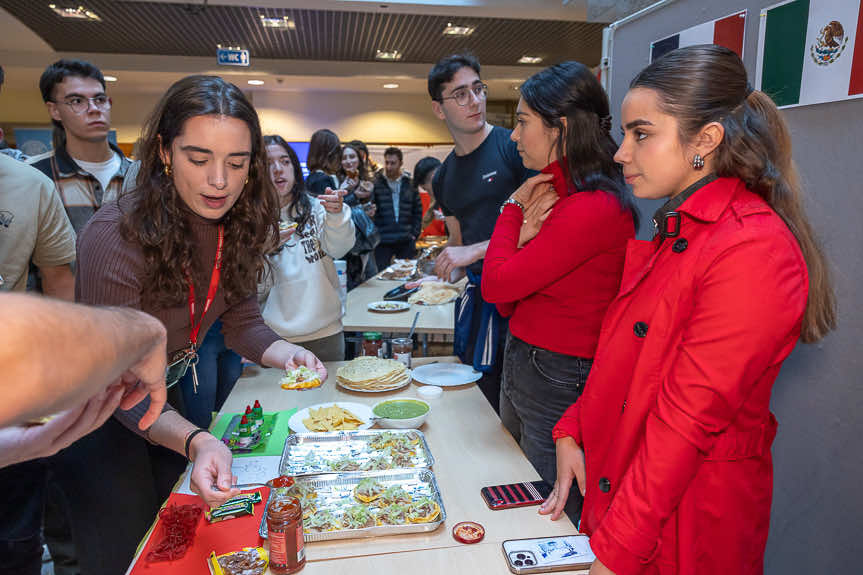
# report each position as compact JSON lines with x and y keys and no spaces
{"x":188,"y":246}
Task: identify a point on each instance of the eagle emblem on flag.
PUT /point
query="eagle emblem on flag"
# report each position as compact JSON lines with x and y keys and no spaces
{"x":829,"y":45}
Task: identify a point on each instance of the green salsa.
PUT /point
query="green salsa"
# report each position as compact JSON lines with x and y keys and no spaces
{"x":401,"y":409}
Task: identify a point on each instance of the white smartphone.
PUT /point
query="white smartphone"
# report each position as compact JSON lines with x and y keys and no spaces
{"x":546,"y":554}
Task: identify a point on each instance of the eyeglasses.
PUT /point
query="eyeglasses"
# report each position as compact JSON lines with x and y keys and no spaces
{"x":81,"y":104}
{"x":462,"y":95}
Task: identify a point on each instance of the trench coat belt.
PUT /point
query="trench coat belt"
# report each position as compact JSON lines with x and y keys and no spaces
{"x":736,"y":444}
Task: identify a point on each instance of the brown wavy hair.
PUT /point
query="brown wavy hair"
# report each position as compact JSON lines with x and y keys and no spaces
{"x":703,"y":84}
{"x":157,"y":220}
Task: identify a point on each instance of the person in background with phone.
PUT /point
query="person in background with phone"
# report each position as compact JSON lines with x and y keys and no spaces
{"x":675,"y":419}
{"x":187,"y":246}
{"x":356,"y":177}
{"x":556,"y":255}
{"x":301,"y":294}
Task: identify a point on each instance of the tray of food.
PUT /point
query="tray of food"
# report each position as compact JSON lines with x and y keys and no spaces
{"x":399,"y":270}
{"x":379,"y":503}
{"x":354,"y":452}
{"x":371,"y":374}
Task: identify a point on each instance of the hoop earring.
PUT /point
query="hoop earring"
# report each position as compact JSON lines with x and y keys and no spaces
{"x":697,"y":162}
{"x":167,"y":170}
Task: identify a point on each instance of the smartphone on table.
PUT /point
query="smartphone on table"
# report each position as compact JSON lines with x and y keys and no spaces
{"x":515,"y":494}
{"x":547,"y":554}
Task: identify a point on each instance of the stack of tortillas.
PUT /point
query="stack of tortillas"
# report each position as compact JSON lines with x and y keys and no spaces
{"x":367,"y":373}
{"x":434,"y":293}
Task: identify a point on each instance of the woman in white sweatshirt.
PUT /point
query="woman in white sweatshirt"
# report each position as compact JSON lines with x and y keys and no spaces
{"x":301,"y":297}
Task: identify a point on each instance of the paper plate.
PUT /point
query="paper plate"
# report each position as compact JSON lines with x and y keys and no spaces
{"x":388,"y":306}
{"x":362,"y":411}
{"x":445,"y":374}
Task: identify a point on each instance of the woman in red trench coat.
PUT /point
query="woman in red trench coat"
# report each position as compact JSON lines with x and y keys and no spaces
{"x":670,"y":441}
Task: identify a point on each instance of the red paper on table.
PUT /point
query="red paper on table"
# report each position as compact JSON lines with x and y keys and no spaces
{"x":221,"y":537}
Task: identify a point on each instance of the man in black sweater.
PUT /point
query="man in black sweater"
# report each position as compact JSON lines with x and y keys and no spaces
{"x":399,"y":211}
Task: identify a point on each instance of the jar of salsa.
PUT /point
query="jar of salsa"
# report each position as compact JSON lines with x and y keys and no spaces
{"x":372,"y":343}
{"x":285,"y":534}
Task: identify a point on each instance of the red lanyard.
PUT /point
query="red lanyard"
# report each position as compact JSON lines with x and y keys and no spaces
{"x":211,"y":293}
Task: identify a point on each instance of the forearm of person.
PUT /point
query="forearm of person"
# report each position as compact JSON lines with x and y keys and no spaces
{"x":479,"y":250}
{"x":65,"y":352}
{"x":171,"y":430}
{"x":279,"y":353}
{"x":339,"y":233}
{"x":245,"y":330}
{"x":454,"y":230}
{"x":58,"y":282}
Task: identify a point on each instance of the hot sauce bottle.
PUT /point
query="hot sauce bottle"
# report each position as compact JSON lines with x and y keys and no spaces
{"x":257,"y":415}
{"x":285,"y":534}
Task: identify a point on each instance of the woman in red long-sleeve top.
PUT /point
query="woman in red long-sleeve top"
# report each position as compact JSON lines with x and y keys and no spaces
{"x":555,"y":258}
{"x":670,"y":441}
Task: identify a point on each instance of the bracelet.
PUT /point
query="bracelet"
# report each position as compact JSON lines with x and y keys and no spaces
{"x":189,"y":439}
{"x":513,"y":202}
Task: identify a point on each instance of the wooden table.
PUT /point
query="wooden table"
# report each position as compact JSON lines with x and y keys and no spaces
{"x":471,"y":449}
{"x":433,"y":319}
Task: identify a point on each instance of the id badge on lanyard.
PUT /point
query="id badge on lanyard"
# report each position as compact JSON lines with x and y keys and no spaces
{"x":188,"y":357}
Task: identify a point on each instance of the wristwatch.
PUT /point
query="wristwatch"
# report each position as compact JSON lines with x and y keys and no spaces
{"x":513,"y":202}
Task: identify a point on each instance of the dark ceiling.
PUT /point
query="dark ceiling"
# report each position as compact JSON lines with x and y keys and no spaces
{"x":181,"y":30}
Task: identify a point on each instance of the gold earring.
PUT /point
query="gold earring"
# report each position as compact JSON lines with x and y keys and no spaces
{"x":247,"y":181}
{"x":167,"y":170}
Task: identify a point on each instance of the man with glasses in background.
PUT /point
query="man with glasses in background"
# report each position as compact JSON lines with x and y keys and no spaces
{"x":87,"y":169}
{"x":482,"y":171}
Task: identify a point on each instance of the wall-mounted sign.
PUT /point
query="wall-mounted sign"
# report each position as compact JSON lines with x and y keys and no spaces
{"x":232,"y":57}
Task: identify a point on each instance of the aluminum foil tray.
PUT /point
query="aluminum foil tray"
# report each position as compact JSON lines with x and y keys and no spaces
{"x":314,"y":453}
{"x":335,"y":493}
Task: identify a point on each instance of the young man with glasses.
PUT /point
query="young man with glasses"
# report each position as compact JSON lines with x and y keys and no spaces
{"x":87,"y":169}
{"x":481,"y":172}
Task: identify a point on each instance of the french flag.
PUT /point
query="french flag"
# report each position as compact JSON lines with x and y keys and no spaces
{"x":726,"y":32}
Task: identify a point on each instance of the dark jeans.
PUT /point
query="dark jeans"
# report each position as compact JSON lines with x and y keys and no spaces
{"x":384,"y":253}
{"x":21,"y":503}
{"x":104,"y":492}
{"x":110,"y":481}
{"x":538,"y":386}
{"x":218,"y":370}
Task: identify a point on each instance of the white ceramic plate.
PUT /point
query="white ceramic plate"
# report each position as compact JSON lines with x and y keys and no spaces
{"x":363,"y":412}
{"x":389,"y":306}
{"x":445,"y":374}
{"x":397,"y":385}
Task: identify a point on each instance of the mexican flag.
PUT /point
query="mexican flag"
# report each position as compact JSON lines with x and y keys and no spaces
{"x":808,"y":53}
{"x":727,"y":32}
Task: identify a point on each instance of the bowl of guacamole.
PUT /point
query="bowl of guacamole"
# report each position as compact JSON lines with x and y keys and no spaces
{"x":401,"y":413}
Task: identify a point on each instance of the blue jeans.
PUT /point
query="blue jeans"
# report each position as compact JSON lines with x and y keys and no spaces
{"x":218,"y":370}
{"x":538,"y":386}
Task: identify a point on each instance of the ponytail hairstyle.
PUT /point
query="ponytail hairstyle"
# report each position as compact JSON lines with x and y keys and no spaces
{"x":703,"y":84}
{"x":570,"y":90}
